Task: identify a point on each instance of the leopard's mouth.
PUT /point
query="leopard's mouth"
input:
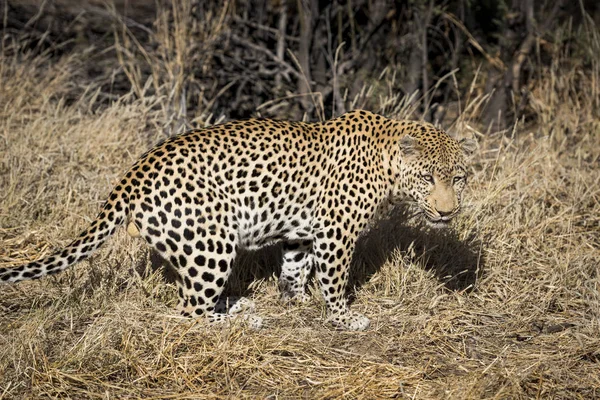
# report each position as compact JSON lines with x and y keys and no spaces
{"x":437,"y":222}
{"x":433,"y":221}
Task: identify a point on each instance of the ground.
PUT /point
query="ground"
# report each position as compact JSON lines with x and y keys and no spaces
{"x":506,"y":305}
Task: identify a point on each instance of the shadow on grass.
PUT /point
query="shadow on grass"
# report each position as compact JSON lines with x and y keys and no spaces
{"x":458,"y":264}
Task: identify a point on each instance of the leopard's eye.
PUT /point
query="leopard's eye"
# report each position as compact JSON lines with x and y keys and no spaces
{"x":458,"y":179}
{"x":427,"y":177}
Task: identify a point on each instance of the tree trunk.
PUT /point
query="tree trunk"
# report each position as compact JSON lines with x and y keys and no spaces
{"x":509,"y":84}
{"x":308,"y":13}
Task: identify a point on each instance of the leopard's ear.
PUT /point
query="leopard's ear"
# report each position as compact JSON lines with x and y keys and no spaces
{"x":409,"y":146}
{"x":468,"y":146}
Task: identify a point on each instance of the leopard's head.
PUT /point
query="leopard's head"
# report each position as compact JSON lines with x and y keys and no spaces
{"x":433,"y":172}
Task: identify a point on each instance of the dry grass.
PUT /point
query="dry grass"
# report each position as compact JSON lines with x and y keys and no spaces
{"x":506,"y":306}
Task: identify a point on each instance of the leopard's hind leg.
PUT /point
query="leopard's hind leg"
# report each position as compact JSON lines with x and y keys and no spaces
{"x":202,"y":256}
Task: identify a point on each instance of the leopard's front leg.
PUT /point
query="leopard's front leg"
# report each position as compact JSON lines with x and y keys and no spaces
{"x":297,"y":264}
{"x":332,"y":261}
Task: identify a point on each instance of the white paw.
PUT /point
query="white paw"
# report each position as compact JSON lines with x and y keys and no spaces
{"x":301,"y":298}
{"x":350,"y":320}
{"x":253,"y":321}
{"x":361,"y":323}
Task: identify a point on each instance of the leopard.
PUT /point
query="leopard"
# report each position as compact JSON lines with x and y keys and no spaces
{"x":201,"y":197}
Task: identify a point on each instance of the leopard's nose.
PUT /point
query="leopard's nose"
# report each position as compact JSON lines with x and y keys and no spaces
{"x":444,"y":213}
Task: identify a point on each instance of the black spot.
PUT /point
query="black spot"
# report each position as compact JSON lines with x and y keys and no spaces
{"x":200,"y":260}
{"x":188,"y":234}
{"x":182,"y":261}
{"x":211,"y":263}
{"x":174,"y":235}
{"x":163,"y":217}
{"x":208,"y":277}
{"x":172,"y":245}
{"x":154,"y":232}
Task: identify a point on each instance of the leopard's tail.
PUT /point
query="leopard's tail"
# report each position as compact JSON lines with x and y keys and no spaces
{"x":112,"y":216}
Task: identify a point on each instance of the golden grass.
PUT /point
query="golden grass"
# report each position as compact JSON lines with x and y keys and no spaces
{"x":505,"y":306}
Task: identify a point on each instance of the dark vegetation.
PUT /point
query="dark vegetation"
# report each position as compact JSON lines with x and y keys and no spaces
{"x":309,"y":58}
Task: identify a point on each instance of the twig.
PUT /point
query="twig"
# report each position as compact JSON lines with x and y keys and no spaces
{"x":268,"y":53}
{"x":495,"y":61}
{"x":424,"y":55}
{"x":274,"y":31}
{"x":281,"y":39}
{"x":127,"y":21}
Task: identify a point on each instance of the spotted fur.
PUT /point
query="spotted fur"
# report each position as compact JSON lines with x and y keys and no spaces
{"x":199,"y":197}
